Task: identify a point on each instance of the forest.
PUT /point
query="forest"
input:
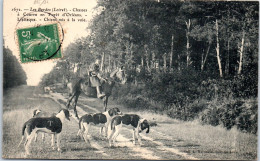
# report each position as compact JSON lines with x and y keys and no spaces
{"x":189,"y":60}
{"x":13,"y":73}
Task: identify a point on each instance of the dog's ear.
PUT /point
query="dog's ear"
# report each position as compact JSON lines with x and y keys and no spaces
{"x":117,"y":111}
{"x":145,"y":122}
{"x":148,"y":128}
{"x":111,"y":112}
{"x":34,"y":112}
{"x":144,"y":125}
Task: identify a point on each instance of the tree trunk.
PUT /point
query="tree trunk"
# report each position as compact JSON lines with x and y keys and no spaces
{"x":179,"y":62}
{"x":217,"y":50}
{"x":228,"y":45}
{"x":102,"y":62}
{"x":164,"y":62}
{"x":109,"y":63}
{"x":131,"y":55}
{"x":227,"y":60}
{"x":188,"y":43}
{"x":153,"y":61}
{"x":142,"y":61}
{"x":171,"y":55}
{"x":74,"y":67}
{"x":203,"y":60}
{"x":114,"y":65}
{"x":241,"y":53}
{"x":147,"y":60}
{"x":147,"y":63}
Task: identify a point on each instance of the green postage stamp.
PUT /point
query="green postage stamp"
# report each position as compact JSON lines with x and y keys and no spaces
{"x":39,"y":43}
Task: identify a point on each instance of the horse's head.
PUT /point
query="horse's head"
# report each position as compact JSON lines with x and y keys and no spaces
{"x":120,"y":75}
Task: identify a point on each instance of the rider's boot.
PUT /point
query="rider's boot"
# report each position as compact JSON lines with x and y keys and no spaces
{"x":99,"y":94}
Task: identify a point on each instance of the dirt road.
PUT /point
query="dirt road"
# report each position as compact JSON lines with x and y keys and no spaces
{"x":169,"y":140}
{"x":153,"y":147}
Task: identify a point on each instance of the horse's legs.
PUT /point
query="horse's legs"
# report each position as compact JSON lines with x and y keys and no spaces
{"x":75,"y":105}
{"x":105,"y":103}
{"x":69,"y":100}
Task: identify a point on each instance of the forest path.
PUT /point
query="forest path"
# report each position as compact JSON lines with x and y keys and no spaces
{"x":169,"y":140}
{"x":152,"y":148}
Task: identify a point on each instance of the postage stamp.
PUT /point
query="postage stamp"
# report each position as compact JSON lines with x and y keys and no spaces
{"x":39,"y":43}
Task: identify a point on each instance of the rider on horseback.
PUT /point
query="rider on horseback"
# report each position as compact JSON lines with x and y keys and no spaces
{"x":95,"y":78}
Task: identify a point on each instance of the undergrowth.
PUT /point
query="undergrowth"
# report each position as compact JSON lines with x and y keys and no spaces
{"x":231,"y":102}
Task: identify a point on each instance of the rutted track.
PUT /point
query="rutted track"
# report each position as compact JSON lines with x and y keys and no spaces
{"x":154,"y":152}
{"x":138,"y":151}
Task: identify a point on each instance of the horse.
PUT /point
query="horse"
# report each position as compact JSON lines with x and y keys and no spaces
{"x":80,"y":85}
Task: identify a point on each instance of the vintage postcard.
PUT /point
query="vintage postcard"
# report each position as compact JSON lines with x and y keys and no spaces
{"x":130,"y":79}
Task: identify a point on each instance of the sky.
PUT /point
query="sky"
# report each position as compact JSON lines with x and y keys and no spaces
{"x":73,"y":30}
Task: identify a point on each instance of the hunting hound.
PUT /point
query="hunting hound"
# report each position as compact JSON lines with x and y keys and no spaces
{"x":135,"y":122}
{"x":40,"y":113}
{"x":97,"y":119}
{"x":51,"y":125}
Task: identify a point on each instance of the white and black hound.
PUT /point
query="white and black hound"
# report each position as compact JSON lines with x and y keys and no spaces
{"x":97,"y":119}
{"x":40,"y":113}
{"x":137,"y":123}
{"x":51,"y":125}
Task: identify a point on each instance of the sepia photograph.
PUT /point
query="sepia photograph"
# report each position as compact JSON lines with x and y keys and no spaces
{"x":130,"y":80}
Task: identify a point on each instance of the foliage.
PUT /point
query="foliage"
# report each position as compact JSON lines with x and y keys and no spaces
{"x":14,"y":74}
{"x":229,"y":113}
{"x":188,"y":96}
{"x":153,"y":41}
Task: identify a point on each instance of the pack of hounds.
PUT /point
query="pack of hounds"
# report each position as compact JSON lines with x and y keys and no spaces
{"x":110,"y":123}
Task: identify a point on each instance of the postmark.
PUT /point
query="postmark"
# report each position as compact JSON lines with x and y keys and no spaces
{"x":39,"y":43}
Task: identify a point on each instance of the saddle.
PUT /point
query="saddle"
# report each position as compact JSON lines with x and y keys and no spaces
{"x":91,"y":91}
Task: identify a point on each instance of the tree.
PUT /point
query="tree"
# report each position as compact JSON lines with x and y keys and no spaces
{"x":217,"y":50}
{"x":14,"y":74}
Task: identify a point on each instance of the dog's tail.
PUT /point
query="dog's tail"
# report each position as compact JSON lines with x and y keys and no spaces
{"x":23,"y":129}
